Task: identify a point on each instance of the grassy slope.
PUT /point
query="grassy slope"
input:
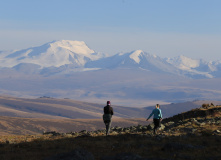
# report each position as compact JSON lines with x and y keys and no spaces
{"x":202,"y":145}
{"x":51,"y":108}
{"x":33,"y":116}
{"x":24,"y":126}
{"x":149,"y":147}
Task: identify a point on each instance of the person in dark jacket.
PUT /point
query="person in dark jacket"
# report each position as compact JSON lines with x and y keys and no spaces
{"x":108,"y":112}
{"x":157,"y":117}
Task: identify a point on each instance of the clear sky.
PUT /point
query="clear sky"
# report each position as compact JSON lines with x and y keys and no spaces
{"x":167,"y":28}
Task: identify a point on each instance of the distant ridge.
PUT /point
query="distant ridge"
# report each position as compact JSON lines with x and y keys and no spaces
{"x":54,"y":108}
{"x":68,"y":56}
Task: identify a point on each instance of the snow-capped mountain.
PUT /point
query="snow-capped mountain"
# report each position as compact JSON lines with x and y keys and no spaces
{"x":52,"y":54}
{"x":57,"y":69}
{"x":183,"y":63}
{"x":135,"y":59}
{"x":65,"y":56}
{"x":193,"y":67}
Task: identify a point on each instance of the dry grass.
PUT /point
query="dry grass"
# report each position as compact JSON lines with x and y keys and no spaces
{"x":100,"y":146}
{"x":24,"y":126}
{"x":52,"y":108}
{"x":174,"y":144}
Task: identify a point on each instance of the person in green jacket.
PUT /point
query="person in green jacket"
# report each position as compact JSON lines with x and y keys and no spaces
{"x":157,"y":117}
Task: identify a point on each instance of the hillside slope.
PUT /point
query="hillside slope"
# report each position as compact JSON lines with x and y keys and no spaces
{"x":35,"y":126}
{"x":195,"y":135}
{"x":51,"y":108}
{"x":33,"y":116}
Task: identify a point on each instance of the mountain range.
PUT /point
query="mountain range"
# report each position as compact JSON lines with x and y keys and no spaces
{"x":70,"y":69}
{"x":67,"y":56}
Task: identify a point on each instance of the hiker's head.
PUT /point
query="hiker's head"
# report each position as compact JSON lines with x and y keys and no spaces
{"x":157,"y":106}
{"x":108,"y":103}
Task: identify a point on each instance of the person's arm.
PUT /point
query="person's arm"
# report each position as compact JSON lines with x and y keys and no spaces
{"x":149,"y":116}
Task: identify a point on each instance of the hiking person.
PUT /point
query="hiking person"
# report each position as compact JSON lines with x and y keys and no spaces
{"x":157,"y":117}
{"x":108,"y":112}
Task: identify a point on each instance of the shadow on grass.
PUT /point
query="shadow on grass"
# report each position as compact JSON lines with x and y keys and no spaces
{"x":171,"y":147}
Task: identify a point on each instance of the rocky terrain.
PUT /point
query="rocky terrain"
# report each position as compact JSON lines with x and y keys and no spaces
{"x":197,"y":122}
{"x":192,"y":135}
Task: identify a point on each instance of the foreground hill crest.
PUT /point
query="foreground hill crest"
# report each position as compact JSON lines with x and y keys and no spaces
{"x":189,"y":138}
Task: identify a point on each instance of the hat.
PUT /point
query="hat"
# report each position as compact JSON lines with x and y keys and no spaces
{"x":108,"y":103}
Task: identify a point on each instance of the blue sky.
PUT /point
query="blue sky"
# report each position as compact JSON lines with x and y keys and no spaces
{"x":167,"y":28}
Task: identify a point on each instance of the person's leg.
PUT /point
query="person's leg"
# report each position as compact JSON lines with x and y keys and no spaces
{"x":156,"y":125}
{"x":108,"y":127}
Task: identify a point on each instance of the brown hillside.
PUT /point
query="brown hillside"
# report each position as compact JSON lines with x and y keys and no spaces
{"x":196,"y":113}
{"x":189,"y":138}
{"x":50,"y":108}
{"x":53,"y":108}
{"x":24,"y":126}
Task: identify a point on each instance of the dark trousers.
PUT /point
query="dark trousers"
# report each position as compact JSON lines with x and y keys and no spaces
{"x":156,"y":125}
{"x":108,"y":125}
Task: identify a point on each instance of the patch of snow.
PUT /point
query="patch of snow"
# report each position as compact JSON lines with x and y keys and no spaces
{"x":78,"y":47}
{"x":206,"y":74}
{"x":135,"y":56}
{"x":184,"y":63}
{"x":121,"y":54}
{"x":144,"y":69}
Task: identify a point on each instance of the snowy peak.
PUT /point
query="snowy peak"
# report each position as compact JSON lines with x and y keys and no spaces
{"x":139,"y":55}
{"x":137,"y":60}
{"x":192,"y":67}
{"x":52,"y":54}
{"x":136,"y":55}
{"x":184,"y":63}
{"x":134,"y":58}
{"x":78,"y":47}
